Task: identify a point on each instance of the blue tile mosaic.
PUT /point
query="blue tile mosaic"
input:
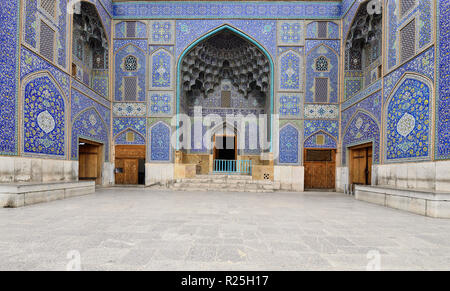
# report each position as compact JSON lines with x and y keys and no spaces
{"x":121,"y":72}
{"x":332,"y":73}
{"x":443,"y":85}
{"x":263,"y":31}
{"x":135,"y":123}
{"x":160,"y":146}
{"x":408,"y":121}
{"x":225,"y":9}
{"x":9,"y":68}
{"x":89,"y":125}
{"x":288,"y":145}
{"x":362,"y":128}
{"x":328,"y":141}
{"x":44,"y":122}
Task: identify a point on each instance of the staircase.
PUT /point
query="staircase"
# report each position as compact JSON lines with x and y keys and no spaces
{"x":224,"y":183}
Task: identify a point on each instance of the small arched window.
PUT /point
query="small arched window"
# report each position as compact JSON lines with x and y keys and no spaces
{"x":130,"y":63}
{"x":321,"y":64}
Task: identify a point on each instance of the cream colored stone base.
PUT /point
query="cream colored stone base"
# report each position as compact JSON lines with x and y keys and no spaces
{"x":15,"y":169}
{"x":434,"y":176}
{"x":291,"y":178}
{"x":22,"y":194}
{"x":159,"y":174}
{"x":433,"y":204}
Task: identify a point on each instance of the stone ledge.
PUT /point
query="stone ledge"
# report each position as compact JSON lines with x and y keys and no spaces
{"x":21,"y":194}
{"x":423,"y":202}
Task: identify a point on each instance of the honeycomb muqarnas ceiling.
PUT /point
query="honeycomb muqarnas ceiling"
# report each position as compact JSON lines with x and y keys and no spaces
{"x":225,"y":56}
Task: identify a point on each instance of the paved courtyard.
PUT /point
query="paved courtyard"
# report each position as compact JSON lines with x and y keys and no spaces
{"x":139,"y":229}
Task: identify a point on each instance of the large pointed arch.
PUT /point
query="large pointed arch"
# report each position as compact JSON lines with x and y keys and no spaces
{"x":246,"y":37}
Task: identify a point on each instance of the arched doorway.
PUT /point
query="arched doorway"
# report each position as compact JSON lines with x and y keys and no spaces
{"x":363,"y":51}
{"x":226,"y":73}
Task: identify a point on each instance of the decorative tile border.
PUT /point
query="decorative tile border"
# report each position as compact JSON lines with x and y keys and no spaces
{"x":227,"y":10}
{"x":442,"y":147}
{"x":9,"y":71}
{"x":127,"y":109}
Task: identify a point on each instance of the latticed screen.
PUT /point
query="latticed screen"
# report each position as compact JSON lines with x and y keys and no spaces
{"x":408,"y":40}
{"x":49,"y":6}
{"x":322,"y":64}
{"x":322,"y":29}
{"x":131,"y":29}
{"x":318,"y":156}
{"x":130,"y":84}
{"x":130,"y":63}
{"x":321,"y":90}
{"x":406,"y":5}
{"x":226,"y":99}
{"x":47,"y":41}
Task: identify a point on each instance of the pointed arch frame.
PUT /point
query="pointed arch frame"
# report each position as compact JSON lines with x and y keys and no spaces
{"x":246,"y":37}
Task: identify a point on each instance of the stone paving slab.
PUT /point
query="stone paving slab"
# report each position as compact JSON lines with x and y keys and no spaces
{"x":142,"y":229}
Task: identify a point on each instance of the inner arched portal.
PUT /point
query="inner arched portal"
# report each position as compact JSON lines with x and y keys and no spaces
{"x":225,"y":71}
{"x":222,"y":75}
{"x":363,"y":60}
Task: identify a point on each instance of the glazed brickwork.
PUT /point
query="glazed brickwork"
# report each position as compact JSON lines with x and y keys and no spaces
{"x":404,"y":112}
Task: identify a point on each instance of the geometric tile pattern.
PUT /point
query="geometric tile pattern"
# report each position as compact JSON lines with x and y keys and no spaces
{"x":408,"y":121}
{"x":424,"y":14}
{"x":352,"y":86}
{"x":322,"y":51}
{"x":162,"y":32}
{"x":160,"y":103}
{"x":81,"y":101}
{"x":362,"y":129}
{"x":122,"y":139}
{"x":9,"y":68}
{"x":290,"y":71}
{"x":329,"y":126}
{"x":263,"y":31}
{"x":160,"y":146}
{"x":422,"y":64}
{"x":121,"y":30}
{"x":312,"y":141}
{"x":161,"y":66}
{"x":321,"y":111}
{"x":227,"y":9}
{"x":290,"y":105}
{"x":290,"y":33}
{"x":135,"y":123}
{"x":122,"y":75}
{"x":443,"y":96}
{"x":332,"y":30}
{"x":371,"y":104}
{"x":89,"y":125}
{"x":288,"y":145}
{"x":124,"y":109}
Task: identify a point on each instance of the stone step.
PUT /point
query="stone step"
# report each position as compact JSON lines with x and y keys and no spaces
{"x":224,"y":183}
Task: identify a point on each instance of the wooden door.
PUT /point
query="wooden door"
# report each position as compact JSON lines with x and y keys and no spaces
{"x":127,"y":163}
{"x":131,"y":171}
{"x":89,"y":162}
{"x":361,"y":165}
{"x":320,"y":169}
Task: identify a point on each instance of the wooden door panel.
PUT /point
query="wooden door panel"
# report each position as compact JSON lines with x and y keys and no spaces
{"x":331,"y":175}
{"x":119,"y":176}
{"x":131,"y":171}
{"x":361,"y":165}
{"x":320,"y":169}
